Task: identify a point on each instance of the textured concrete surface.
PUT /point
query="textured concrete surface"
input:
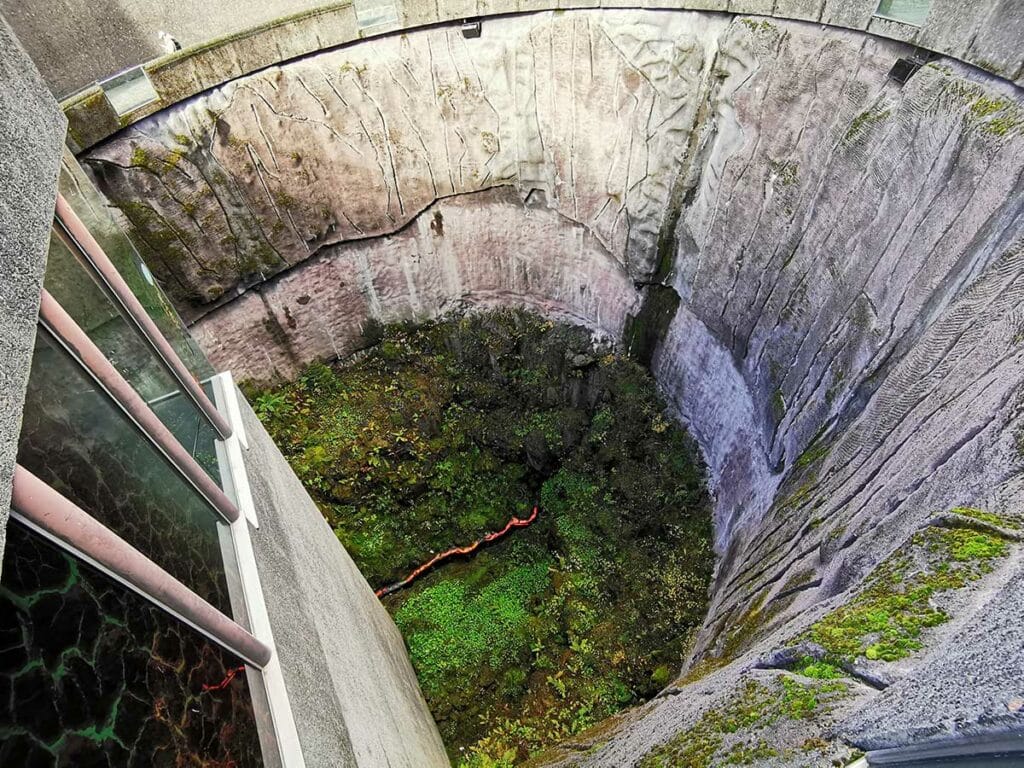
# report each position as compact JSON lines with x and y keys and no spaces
{"x":931,"y":702}
{"x":985,"y":34}
{"x":588,"y":108}
{"x":848,"y":251}
{"x":482,"y":249}
{"x":32,"y":138}
{"x":95,"y":40}
{"x":355,"y":697}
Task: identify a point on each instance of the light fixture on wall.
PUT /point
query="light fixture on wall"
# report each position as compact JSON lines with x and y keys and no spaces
{"x":471,"y":28}
{"x":904,"y":69}
{"x":906,"y":66}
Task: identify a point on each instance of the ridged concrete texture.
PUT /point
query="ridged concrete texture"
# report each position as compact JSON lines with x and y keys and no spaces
{"x":848,"y":251}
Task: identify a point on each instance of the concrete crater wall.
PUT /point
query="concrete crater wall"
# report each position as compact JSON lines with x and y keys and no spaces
{"x":848,"y":251}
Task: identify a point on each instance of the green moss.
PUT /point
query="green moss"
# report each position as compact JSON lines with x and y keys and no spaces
{"x":758,"y":26}
{"x":811,"y":455}
{"x":984,"y":106}
{"x":158,"y":239}
{"x":862,"y":123}
{"x":969,"y":547}
{"x":441,"y":433}
{"x":993,"y":115}
{"x":778,"y":406}
{"x":785,"y":173}
{"x":1000,"y":521}
{"x":747,"y":754}
{"x":996,"y":116}
{"x":661,"y":676}
{"x":450,"y":628}
{"x":887,"y":619}
{"x":719,"y":737}
{"x":819,"y":670}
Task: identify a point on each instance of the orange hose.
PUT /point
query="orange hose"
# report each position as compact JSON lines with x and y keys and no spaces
{"x":231,"y":674}
{"x":515,"y":522}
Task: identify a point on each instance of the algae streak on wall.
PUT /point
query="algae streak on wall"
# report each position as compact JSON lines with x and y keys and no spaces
{"x":441,"y":434}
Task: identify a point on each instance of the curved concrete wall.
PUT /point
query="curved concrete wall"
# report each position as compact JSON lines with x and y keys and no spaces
{"x":235,"y":39}
{"x":849,"y":252}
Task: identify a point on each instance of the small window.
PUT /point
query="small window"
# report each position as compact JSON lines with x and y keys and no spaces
{"x":129,"y":90}
{"x":371,"y":14}
{"x":914,"y":12}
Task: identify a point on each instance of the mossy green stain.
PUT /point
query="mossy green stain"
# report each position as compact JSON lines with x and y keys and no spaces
{"x":645,"y":330}
{"x":862,"y":123}
{"x":1000,"y":521}
{"x":887,"y":620}
{"x":753,"y":706}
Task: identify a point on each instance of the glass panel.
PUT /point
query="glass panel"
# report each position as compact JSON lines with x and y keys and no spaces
{"x":908,"y":11}
{"x":92,"y":674}
{"x":129,"y":90}
{"x":94,"y":211}
{"x":75,"y":438}
{"x":71,"y":284}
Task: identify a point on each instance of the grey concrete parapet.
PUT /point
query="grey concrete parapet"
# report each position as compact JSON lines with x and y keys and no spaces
{"x":32,"y":128}
{"x":985,"y":34}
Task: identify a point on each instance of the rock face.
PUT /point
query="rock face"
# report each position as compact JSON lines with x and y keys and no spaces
{"x":848,"y":252}
{"x":591,"y":109}
{"x":480,"y":249}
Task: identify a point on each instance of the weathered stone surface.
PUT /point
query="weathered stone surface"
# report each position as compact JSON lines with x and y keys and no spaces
{"x":848,"y":252}
{"x":483,"y":249}
{"x":593,"y":109}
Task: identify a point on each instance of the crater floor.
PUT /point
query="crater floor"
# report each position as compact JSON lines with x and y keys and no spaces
{"x":440,"y":433}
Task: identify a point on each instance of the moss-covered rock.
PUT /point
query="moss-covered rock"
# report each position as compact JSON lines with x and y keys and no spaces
{"x":443,"y":432}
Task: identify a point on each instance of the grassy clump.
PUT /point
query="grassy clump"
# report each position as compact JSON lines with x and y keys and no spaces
{"x":819,"y":670}
{"x":886,"y":620}
{"x":1000,"y":521}
{"x":444,"y":431}
{"x":722,"y":736}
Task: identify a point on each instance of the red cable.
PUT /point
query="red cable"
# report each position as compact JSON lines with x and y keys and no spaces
{"x":231,"y":674}
{"x":515,"y":522}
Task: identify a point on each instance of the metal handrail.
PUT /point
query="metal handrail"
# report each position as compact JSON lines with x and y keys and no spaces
{"x":61,"y":325}
{"x":42,"y":507}
{"x":77,"y":236}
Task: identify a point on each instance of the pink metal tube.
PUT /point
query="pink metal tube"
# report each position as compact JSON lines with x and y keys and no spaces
{"x":44,"y":507}
{"x":78,"y":238}
{"x":60,"y":323}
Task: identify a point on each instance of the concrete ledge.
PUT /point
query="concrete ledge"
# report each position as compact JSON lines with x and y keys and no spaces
{"x":987,"y":38}
{"x":32,"y":128}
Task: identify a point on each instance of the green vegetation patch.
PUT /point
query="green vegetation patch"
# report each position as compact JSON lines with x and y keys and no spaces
{"x":1000,"y":521}
{"x":862,"y":123}
{"x":887,"y":619}
{"x":444,"y":431}
{"x":730,"y":734}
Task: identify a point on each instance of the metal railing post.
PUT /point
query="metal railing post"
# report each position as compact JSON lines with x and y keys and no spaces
{"x":42,"y":507}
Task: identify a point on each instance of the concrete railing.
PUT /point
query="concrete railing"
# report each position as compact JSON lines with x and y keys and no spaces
{"x":986,"y":34}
